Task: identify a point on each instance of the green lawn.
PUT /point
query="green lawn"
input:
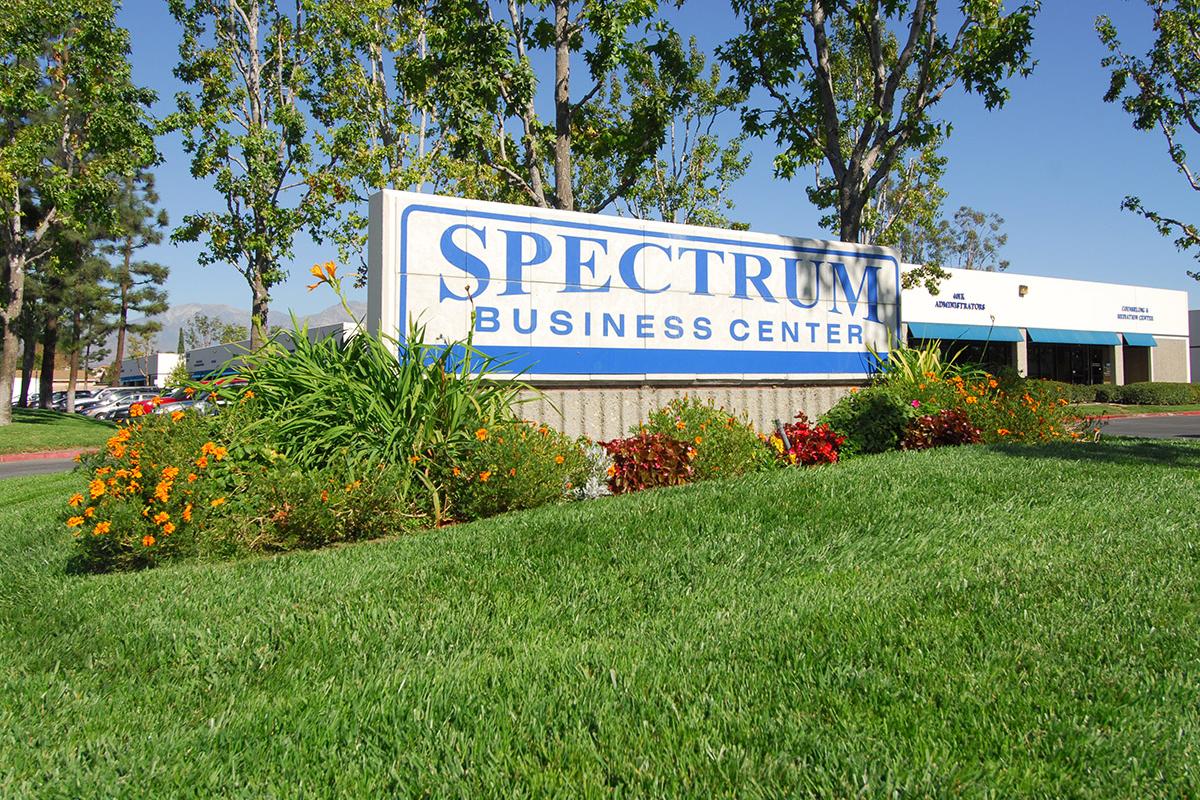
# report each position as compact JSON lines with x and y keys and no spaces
{"x":964,"y":621}
{"x":1102,"y":409}
{"x":35,"y":430}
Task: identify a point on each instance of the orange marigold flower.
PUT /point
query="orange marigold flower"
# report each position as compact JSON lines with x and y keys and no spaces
{"x":176,"y":416}
{"x":101,"y":528}
{"x":97,"y":488}
{"x":559,"y":459}
{"x":248,"y":394}
{"x":971,"y":398}
{"x":543,"y":430}
{"x":455,"y":471}
{"x":163,"y":491}
{"x":512,"y":473}
{"x":74,"y":522}
{"x":612,"y":470}
{"x":413,"y":459}
{"x":75,"y":500}
{"x":1003,"y":431}
{"x":160,"y":518}
{"x":148,"y":540}
{"x":136,"y":410}
{"x":483,"y":476}
{"x":187,"y":513}
{"x":192,"y":477}
{"x":324,"y":495}
{"x":103,"y":471}
{"x":679,"y":425}
{"x":220,"y":501}
{"x":89,"y":512}
{"x":481,"y":434}
{"x":169,"y":528}
{"x":202,"y":462}
{"x":699,"y":439}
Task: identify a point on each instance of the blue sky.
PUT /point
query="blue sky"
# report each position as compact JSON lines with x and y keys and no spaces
{"x":1055,"y":163}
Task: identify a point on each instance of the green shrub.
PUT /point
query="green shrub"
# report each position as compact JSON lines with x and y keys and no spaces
{"x":904,"y":364}
{"x":1107,"y":393}
{"x":870,"y":420}
{"x":1156,"y":394}
{"x":512,"y":466}
{"x":1071,"y":392}
{"x":725,"y":445}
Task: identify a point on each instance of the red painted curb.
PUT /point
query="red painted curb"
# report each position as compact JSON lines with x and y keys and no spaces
{"x":4,"y":459}
{"x":1151,"y":415}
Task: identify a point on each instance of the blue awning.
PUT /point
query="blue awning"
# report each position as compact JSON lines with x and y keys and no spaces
{"x":1056,"y":336}
{"x":1139,"y":340}
{"x":963,"y":333}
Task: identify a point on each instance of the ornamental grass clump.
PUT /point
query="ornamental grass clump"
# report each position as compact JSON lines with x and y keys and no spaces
{"x":725,"y":445}
{"x":512,"y":466}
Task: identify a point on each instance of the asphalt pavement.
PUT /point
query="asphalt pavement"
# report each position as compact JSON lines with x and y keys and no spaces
{"x":39,"y":466}
{"x":1172,"y":427}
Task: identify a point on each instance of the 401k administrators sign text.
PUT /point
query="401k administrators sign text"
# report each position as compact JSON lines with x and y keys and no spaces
{"x":585,"y":296}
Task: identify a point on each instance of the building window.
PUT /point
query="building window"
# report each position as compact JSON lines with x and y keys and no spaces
{"x":1071,"y":363}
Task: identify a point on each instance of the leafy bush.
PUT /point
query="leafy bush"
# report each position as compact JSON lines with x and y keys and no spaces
{"x":513,"y":466}
{"x":1156,"y":394}
{"x":1072,"y":392}
{"x":178,"y":486}
{"x":802,"y":444}
{"x":871,"y":420}
{"x":648,"y":461}
{"x":1107,"y":393}
{"x":725,"y":445}
{"x":947,"y":427}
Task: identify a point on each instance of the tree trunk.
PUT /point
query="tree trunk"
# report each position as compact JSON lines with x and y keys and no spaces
{"x":123,"y":319}
{"x":260,"y":302}
{"x":563,"y":191}
{"x":73,"y":372}
{"x":15,"y":293}
{"x":49,"y":351}
{"x":850,"y":214}
{"x":27,"y":361}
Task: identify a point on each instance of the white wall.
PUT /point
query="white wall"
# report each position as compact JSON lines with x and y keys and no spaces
{"x":158,"y":366}
{"x":994,"y":298}
{"x":204,"y":360}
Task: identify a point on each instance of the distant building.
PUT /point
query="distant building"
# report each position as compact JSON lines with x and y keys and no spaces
{"x":222,"y":359}
{"x":151,"y":370}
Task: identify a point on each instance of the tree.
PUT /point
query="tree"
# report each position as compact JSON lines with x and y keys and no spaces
{"x":138,"y":283}
{"x":688,"y":181}
{"x":205,"y":331}
{"x":1162,"y":92}
{"x":71,"y":119}
{"x":844,"y":93}
{"x":181,"y":345}
{"x":972,"y":240}
{"x":493,"y":119}
{"x":247,"y":135}
{"x":88,"y":311}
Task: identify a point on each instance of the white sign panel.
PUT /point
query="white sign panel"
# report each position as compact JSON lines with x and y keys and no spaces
{"x":570,"y":296}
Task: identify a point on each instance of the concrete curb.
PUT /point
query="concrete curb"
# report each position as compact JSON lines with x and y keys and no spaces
{"x":41,"y":456}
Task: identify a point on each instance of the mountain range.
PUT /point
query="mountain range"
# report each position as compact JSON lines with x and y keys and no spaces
{"x":178,"y":316}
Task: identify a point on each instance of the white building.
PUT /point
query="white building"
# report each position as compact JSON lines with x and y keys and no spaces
{"x":1054,"y":328}
{"x":150,"y":370}
{"x":222,"y":359}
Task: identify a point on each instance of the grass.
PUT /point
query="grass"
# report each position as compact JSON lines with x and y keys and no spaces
{"x":1102,"y":409}
{"x":38,"y":430}
{"x":979,"y":621}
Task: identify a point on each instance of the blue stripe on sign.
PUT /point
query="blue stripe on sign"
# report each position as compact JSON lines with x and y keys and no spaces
{"x":662,"y":361}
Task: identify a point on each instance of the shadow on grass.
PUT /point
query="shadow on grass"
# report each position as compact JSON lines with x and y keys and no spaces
{"x":45,"y":416}
{"x":1113,"y":450}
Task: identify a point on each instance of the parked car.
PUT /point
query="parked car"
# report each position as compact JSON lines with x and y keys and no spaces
{"x":149,"y":404}
{"x":201,"y":403}
{"x":60,"y":403}
{"x":120,"y":402}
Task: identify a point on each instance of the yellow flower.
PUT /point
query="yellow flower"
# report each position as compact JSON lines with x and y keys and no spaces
{"x":75,"y":500}
{"x":74,"y":522}
{"x":248,"y":394}
{"x":220,"y":501}
{"x":101,"y":528}
{"x":971,"y":398}
{"x":96,"y":488}
{"x":148,"y":540}
{"x":559,"y":459}
{"x":481,"y":434}
{"x":89,"y":512}
{"x":413,"y":459}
